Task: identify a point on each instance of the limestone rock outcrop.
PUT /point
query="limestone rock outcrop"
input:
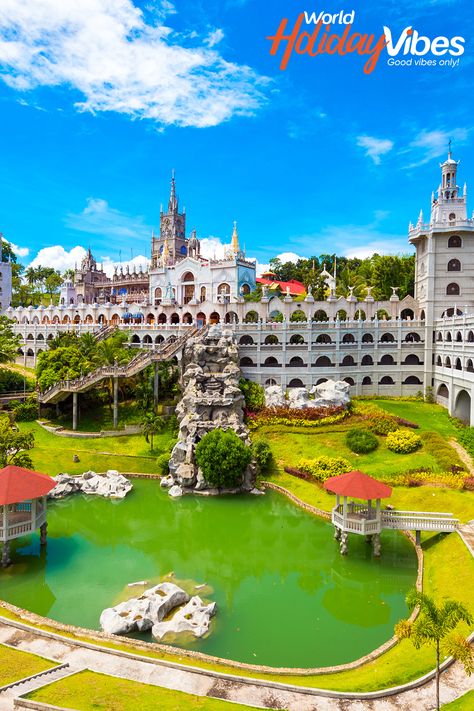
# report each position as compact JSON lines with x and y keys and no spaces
{"x":211,"y":398}
{"x":141,"y":613}
{"x":112,"y":485}
{"x":331,"y":393}
{"x":194,"y":618}
{"x":148,"y":612}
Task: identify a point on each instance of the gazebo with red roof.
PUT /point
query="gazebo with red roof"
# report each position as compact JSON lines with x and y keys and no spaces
{"x":352,"y":517}
{"x":22,"y":505}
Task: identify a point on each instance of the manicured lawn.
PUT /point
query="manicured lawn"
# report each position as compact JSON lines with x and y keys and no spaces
{"x":53,"y":454}
{"x":15,"y":665}
{"x":430,"y":417}
{"x":88,"y":690}
{"x":464,"y":703}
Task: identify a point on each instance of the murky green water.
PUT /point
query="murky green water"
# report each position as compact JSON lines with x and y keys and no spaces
{"x":285,"y":596}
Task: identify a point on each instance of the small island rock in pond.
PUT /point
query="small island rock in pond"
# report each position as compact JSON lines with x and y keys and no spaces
{"x":112,"y":485}
{"x":148,"y":612}
{"x":194,"y":618}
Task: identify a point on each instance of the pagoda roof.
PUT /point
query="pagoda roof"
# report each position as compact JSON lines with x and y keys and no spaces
{"x":297,"y":288}
{"x":358,"y":485}
{"x":18,"y":484}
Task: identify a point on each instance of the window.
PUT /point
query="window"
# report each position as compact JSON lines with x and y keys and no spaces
{"x":454,"y":265}
{"x":454,"y":241}
{"x":453,"y":289}
{"x":452,"y":216}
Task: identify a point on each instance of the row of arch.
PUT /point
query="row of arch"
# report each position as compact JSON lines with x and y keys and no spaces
{"x":385,"y":380}
{"x":455,"y":363}
{"x":325,"y":338}
{"x":173,"y":319}
{"x":458,"y":337}
{"x":325,"y":361}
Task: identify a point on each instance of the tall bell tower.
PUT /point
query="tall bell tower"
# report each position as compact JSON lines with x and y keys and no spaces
{"x":172,"y":232}
{"x":444,"y":267}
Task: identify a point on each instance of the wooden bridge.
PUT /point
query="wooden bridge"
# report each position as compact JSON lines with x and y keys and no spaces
{"x":61,"y":390}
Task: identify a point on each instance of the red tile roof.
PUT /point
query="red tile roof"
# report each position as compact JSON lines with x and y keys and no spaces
{"x":358,"y":485}
{"x":18,"y":484}
{"x":296,"y":287}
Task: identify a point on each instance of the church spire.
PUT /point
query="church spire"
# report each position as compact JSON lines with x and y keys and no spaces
{"x":235,"y":239}
{"x":173,"y":201}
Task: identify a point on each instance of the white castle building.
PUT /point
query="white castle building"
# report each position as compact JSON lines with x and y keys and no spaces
{"x":394,"y":347}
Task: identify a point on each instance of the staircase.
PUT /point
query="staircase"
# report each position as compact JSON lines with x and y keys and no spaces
{"x":104,"y":333}
{"x":59,"y":391}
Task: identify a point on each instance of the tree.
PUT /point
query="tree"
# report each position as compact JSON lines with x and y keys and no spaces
{"x":14,"y":445}
{"x":52,"y":283}
{"x":223,"y":458}
{"x":9,"y":341}
{"x":432,"y":626}
{"x":152,"y":425}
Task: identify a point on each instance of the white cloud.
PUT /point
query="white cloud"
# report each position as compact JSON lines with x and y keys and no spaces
{"x":428,"y":145}
{"x":99,"y":218}
{"x":20,"y":251}
{"x":117,"y":61}
{"x":58,"y":257}
{"x":214,"y":37}
{"x":375,"y":147}
{"x":213,"y":248}
{"x":109,"y":265}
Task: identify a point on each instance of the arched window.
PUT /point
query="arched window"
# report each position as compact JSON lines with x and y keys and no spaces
{"x":271,"y":340}
{"x":202,"y":295}
{"x":251,"y":317}
{"x":246,"y":362}
{"x":447,"y":362}
{"x":470,"y":337}
{"x":248,"y":340}
{"x":183,"y":251}
{"x":454,"y":241}
{"x":367,"y":360}
{"x":458,"y":337}
{"x":454,"y":265}
{"x":386,"y":380}
{"x":348,"y":338}
{"x":320,"y":315}
{"x":174,"y":318}
{"x":223,"y":290}
{"x":469,"y":366}
{"x":214,"y":317}
{"x":411,"y":359}
{"x":367,"y":380}
{"x":407,"y":314}
{"x":367,"y":338}
{"x":439,"y":337}
{"x":296,"y":339}
{"x":271,"y":362}
{"x":296,"y":362}
{"x":323,"y":338}
{"x":270,"y":381}
{"x":323,"y":362}
{"x":387,"y":359}
{"x":412,"y":338}
{"x":349,"y":380}
{"x":449,"y":338}
{"x":439,"y":361}
{"x":458,"y":365}
{"x":245,"y":289}
{"x":321,"y":380}
{"x":298,"y":315}
{"x":295,"y":383}
{"x":158,"y":295}
{"x":187,"y":276}
{"x":443,"y":391}
{"x":412,"y":380}
{"x":453,"y":289}
{"x":387,"y":338}
{"x":348,"y":360}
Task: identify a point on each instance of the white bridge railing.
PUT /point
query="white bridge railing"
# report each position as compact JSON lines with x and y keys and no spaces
{"x":359,"y":519}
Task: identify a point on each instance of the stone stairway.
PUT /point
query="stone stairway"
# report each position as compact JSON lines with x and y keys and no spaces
{"x":16,"y":689}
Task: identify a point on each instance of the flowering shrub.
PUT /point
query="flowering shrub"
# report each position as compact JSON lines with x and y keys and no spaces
{"x":426,"y":477}
{"x":323,"y":467}
{"x":403,"y":441}
{"x":446,"y":457}
{"x":381,"y":424}
{"x":406,"y":423}
{"x":311,"y":417}
{"x":469,"y":483}
{"x":361,"y":441}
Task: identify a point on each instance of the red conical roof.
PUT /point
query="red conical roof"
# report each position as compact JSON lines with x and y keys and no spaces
{"x":18,"y":484}
{"x":358,"y":485}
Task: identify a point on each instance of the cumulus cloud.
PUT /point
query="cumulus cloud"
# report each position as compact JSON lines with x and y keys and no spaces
{"x":118,"y":58}
{"x":375,"y":147}
{"x":20,"y":251}
{"x":109,"y":264}
{"x":58,"y":257}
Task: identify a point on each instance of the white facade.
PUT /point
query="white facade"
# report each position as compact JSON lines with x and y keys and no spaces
{"x":5,"y":285}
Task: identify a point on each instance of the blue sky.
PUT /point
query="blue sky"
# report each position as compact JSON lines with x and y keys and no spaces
{"x":99,"y":100}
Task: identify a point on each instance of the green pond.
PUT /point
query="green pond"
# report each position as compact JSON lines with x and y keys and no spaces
{"x":285,"y":595}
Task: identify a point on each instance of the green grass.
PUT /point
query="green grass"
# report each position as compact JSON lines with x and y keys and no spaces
{"x":430,"y":417}
{"x":101,"y":418}
{"x":15,"y":665}
{"x":464,"y":703}
{"x":53,"y":454}
{"x":89,"y":690}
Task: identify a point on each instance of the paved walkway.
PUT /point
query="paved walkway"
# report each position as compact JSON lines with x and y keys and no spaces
{"x":195,"y":681}
{"x":8,"y":696}
{"x":467,"y":534}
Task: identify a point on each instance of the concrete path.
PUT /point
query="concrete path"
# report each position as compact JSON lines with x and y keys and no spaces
{"x":8,"y":696}
{"x":202,"y":683}
{"x":466,"y":531}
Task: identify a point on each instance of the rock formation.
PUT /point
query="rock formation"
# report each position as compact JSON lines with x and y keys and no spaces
{"x":112,"y":485}
{"x":328,"y":394}
{"x":148,"y":612}
{"x":211,"y":398}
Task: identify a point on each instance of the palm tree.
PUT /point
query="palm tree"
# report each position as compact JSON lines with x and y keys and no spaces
{"x":151,"y":425}
{"x":432,"y":626}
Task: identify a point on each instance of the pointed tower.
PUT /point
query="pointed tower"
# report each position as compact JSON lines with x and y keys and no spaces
{"x":235,"y":240}
{"x":172,"y":229}
{"x":444,"y":267}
